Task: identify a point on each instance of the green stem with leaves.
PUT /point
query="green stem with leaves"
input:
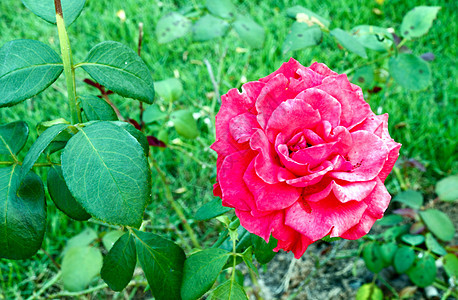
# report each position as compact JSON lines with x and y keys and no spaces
{"x":67,"y":60}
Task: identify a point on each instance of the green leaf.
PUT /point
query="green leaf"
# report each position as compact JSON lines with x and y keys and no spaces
{"x":39,"y":146}
{"x":106,"y":170}
{"x":418,"y":21}
{"x":119,"y":264}
{"x":13,"y":137}
{"x":211,"y":210}
{"x":46,"y":10}
{"x":247,"y":256}
{"x":369,"y":291}
{"x":413,"y":239}
{"x":162,"y":261}
{"x":410,"y":71}
{"x":389,"y":220}
{"x":364,"y":76}
{"x":27,"y":68}
{"x":61,"y":196}
{"x":153,"y":114}
{"x":249,"y":31}
{"x":84,"y":238}
{"x":200,"y":272}
{"x":387,"y":251}
{"x":410,"y":198}
{"x":184,"y":124}
{"x":349,"y":42}
{"x":80,"y":266}
{"x":302,"y":36}
{"x":373,"y":37}
{"x":209,"y":27}
{"x":23,"y":214}
{"x":221,"y":8}
{"x":171,"y":27}
{"x":137,"y":134}
{"x":423,"y":271}
{"x":305,"y":14}
{"x":121,"y":70}
{"x":447,"y":188}
{"x":393,"y":232}
{"x":263,"y":252}
{"x":451,"y":265}
{"x":433,"y":245}
{"x":169,"y":89}
{"x":97,"y":109}
{"x":438,"y":223}
{"x":372,"y":256}
{"x":110,"y":238}
{"x":329,"y":239}
{"x":229,"y":290}
{"x":403,"y":259}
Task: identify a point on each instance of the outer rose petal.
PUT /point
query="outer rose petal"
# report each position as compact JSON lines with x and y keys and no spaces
{"x":377,"y":202}
{"x":273,"y":93}
{"x":261,"y":226}
{"x":230,"y":178}
{"x":356,"y":191}
{"x":233,"y":104}
{"x":368,"y":155}
{"x":324,"y":217}
{"x":322,"y":69}
{"x":243,"y":126}
{"x":291,"y":117}
{"x":270,"y":197}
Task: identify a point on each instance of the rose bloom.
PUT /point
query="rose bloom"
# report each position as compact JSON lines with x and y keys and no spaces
{"x":302,"y":156}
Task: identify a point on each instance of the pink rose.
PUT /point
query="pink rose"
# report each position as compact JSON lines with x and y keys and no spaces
{"x":301,"y":156}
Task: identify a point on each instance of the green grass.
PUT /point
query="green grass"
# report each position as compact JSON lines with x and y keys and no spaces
{"x":425,"y":120}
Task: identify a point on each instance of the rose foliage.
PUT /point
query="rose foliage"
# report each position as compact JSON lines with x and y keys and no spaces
{"x":302,"y":156}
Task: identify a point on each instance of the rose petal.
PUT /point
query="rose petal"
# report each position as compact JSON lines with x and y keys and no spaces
{"x":261,"y":226}
{"x":354,"y":108}
{"x":377,"y":202}
{"x":270,"y":197}
{"x":344,"y":192}
{"x":298,"y":245}
{"x":288,"y":69}
{"x":315,"y":155}
{"x":393,"y":149}
{"x":273,"y":93}
{"x":230,"y":178}
{"x":324,"y":217}
{"x":243,"y":126}
{"x":368,"y":155}
{"x":290,"y":117}
{"x":233,"y":104}
{"x":322,"y":69}
{"x":217,"y":190}
{"x":325,"y":104}
{"x":267,"y":163}
{"x":342,"y":137}
{"x":313,"y":178}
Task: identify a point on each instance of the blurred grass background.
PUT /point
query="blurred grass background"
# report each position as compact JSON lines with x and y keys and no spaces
{"x":424,"y":122}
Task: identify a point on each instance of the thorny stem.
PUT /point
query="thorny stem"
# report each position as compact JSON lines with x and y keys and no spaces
{"x":139,"y":52}
{"x":67,"y":60}
{"x":176,"y":207}
{"x":10,"y":163}
{"x":234,"y":253}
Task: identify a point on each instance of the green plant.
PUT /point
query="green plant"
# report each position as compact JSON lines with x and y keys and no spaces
{"x":414,"y":239}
